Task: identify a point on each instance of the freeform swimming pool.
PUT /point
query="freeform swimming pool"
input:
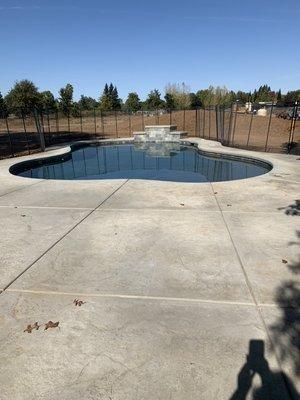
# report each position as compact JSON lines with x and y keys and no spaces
{"x":156,"y":161}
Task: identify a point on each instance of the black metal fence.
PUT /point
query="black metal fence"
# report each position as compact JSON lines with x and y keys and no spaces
{"x":267,"y":128}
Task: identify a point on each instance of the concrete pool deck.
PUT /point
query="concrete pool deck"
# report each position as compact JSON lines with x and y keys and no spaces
{"x":189,"y":288}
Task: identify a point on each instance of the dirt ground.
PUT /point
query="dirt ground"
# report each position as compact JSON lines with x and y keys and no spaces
{"x":240,"y":130}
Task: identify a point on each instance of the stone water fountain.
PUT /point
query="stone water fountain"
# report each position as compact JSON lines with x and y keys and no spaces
{"x":159,"y":140}
{"x":159,"y":133}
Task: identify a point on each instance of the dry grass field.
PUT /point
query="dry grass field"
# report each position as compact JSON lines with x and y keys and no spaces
{"x":201,"y":123}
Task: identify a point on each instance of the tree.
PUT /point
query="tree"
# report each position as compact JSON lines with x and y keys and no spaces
{"x":216,"y":96}
{"x":109,"y":99}
{"x":153,"y":101}
{"x":292,"y":96}
{"x":87,"y":103}
{"x":22,"y":98}
{"x":105,"y":100}
{"x":264,"y":94}
{"x":3,"y":107}
{"x":66,"y":99}
{"x":206,"y":96}
{"x":194,"y":101}
{"x":180,"y":94}
{"x":243,"y":96}
{"x":221,"y":96}
{"x":169,"y":100}
{"x":279,"y":95}
{"x":133,"y":102}
{"x":116,"y":101}
{"x":47,"y":102}
{"x":75,"y":109}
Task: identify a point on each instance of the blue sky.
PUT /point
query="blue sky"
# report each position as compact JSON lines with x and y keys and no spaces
{"x":142,"y":45}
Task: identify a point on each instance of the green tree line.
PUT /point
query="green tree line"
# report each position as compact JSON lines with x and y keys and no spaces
{"x":24,"y":97}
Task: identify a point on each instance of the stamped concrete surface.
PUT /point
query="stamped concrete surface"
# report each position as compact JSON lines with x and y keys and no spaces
{"x":152,"y":253}
{"x":127,"y":349}
{"x":191,"y":290}
{"x":70,"y":194}
{"x":27,"y":233}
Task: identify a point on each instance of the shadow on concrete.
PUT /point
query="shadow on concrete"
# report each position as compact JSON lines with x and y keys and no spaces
{"x":285,"y":337}
{"x":292,"y":209}
{"x":285,"y":332}
{"x":272,"y":384}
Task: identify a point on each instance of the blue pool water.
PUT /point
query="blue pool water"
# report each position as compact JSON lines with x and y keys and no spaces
{"x":169,"y":162}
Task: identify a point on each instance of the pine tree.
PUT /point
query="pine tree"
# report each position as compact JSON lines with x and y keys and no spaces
{"x":279,"y":95}
{"x":105,"y":99}
{"x":153,"y":101}
{"x":292,"y":96}
{"x":106,"y":91}
{"x":170,"y":102}
{"x":111,"y":90}
{"x":110,"y":99}
{"x":66,"y":99}
{"x":133,"y":102}
{"x":264,"y":93}
{"x":116,"y":101}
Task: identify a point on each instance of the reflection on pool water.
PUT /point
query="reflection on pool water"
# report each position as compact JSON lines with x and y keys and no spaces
{"x":169,"y":162}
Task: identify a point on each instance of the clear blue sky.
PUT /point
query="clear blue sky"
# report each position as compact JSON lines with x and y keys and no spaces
{"x":140,"y":45}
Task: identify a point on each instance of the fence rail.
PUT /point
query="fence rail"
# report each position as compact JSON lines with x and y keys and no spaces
{"x":274,"y":130}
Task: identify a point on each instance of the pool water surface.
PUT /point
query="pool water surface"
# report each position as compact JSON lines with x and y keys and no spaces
{"x":165,"y":162}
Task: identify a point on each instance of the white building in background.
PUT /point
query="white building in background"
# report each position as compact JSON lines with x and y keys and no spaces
{"x":248,"y":106}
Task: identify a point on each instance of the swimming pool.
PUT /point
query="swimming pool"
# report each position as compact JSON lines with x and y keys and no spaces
{"x":180,"y":162}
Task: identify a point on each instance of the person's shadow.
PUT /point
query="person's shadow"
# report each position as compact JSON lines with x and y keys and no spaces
{"x":274,"y":386}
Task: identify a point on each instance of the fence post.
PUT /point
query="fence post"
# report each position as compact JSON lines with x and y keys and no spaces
{"x":25,"y":131}
{"x":80,"y":116}
{"x":229,"y":126}
{"x":269,"y":125}
{"x":40,"y":130}
{"x":295,"y":119}
{"x":199,"y":121}
{"x":57,"y":122}
{"x":102,"y":122}
{"x":223,"y":124}
{"x":129,"y":122}
{"x":69,"y":123}
{"x":116,"y":122}
{"x":9,"y":137}
{"x":234,"y":124}
{"x":217,"y":121}
{"x":48,"y":122}
{"x":209,"y":119}
{"x":204,"y":122}
{"x":292,"y":127}
{"x":196,"y":121}
{"x":95,"y":121}
{"x":143,"y":122}
{"x":250,"y":126}
{"x":184,"y":119}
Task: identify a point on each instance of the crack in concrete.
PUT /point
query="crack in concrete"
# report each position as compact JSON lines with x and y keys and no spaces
{"x":62,"y":237}
{"x":139,"y":297}
{"x":248,"y":283}
{"x":22,"y":188}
